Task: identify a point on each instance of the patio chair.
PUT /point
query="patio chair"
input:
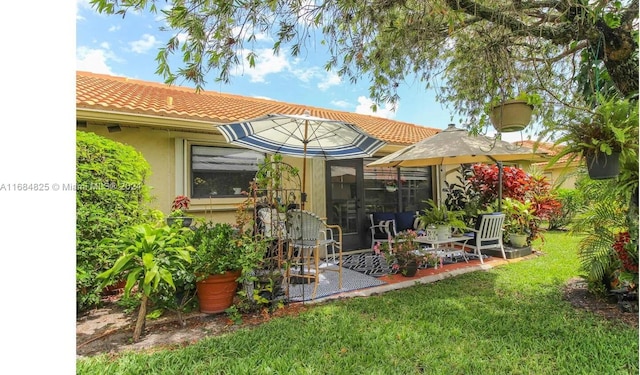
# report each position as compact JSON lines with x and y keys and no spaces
{"x":307,"y":235}
{"x":385,"y":226}
{"x":486,"y":235}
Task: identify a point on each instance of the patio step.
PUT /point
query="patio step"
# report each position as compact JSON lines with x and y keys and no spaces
{"x":510,"y":252}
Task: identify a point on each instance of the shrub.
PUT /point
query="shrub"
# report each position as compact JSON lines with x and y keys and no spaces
{"x":571,"y":201}
{"x":110,"y":196}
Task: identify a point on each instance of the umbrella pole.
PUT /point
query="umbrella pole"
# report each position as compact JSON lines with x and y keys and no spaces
{"x":499,"y":164}
{"x":303,"y":195}
{"x":499,"y":186}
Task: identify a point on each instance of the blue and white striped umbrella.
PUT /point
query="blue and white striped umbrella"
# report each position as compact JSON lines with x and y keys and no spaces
{"x":302,"y":136}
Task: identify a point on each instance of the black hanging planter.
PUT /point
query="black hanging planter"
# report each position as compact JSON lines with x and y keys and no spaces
{"x":602,"y":166}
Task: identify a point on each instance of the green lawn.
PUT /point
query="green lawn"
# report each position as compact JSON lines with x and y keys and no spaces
{"x":510,"y":320}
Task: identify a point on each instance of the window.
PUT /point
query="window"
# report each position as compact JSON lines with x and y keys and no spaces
{"x":222,"y":172}
{"x":384,"y":193}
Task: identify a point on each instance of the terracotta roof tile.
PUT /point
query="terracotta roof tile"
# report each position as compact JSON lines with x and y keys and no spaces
{"x":128,"y":96}
{"x":549,"y":148}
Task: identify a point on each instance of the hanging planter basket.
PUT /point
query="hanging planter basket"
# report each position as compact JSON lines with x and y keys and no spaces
{"x":602,"y":166}
{"x":511,"y":116}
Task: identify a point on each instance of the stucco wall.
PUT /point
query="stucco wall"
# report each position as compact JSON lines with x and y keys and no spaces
{"x":169,"y":172}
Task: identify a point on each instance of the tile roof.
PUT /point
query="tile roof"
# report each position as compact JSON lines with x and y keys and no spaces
{"x":134,"y":97}
{"x":549,"y":148}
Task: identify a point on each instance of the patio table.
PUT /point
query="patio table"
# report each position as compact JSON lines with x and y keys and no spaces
{"x":444,"y":248}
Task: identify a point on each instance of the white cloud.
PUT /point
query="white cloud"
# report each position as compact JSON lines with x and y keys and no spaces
{"x":305,"y":74}
{"x":144,"y":44}
{"x":266,"y":63}
{"x":330,"y":79}
{"x":81,"y":5}
{"x":114,"y":28}
{"x":94,"y":60}
{"x":364,"y":107}
{"x":341,"y":103}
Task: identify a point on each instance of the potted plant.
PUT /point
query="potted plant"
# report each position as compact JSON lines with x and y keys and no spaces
{"x":178,"y":207}
{"x":404,"y":253}
{"x":444,"y":219}
{"x":222,"y":255}
{"x":391,"y":185}
{"x":514,"y":114}
{"x":600,"y":136}
{"x":519,"y":216}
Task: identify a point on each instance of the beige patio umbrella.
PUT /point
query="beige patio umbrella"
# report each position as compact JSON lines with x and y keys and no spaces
{"x":454,"y":146}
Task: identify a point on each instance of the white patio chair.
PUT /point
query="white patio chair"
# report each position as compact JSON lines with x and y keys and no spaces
{"x":486,"y":235}
{"x":307,"y":234}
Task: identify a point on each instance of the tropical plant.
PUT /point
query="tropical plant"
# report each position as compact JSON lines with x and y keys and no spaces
{"x":474,"y":51}
{"x":403,"y":251}
{"x":571,"y":202}
{"x":439,"y":215}
{"x":612,"y":126}
{"x":181,"y":202}
{"x":111,"y":195}
{"x":627,"y":252}
{"x":151,"y":256}
{"x":519,"y":217}
{"x":516,"y":183}
{"x":599,"y":223}
{"x":462,"y":196}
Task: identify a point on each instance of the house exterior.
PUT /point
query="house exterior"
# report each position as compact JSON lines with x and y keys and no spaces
{"x":175,"y":130}
{"x":562,"y":174}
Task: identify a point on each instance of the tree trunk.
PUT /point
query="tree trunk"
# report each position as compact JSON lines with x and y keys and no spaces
{"x":142,"y":313}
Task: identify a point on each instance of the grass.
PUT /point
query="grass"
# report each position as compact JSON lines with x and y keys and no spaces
{"x":509,"y":320}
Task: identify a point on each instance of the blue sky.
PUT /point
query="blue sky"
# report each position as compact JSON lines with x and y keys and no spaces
{"x":110,"y":44}
{"x":128,"y":46}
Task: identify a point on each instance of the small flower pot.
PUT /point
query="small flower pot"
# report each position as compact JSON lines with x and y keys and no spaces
{"x":444,"y":232}
{"x":408,"y":270}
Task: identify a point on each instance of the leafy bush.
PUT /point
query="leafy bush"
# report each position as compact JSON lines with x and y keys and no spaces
{"x":150,"y":257}
{"x":110,"y":196}
{"x":572,"y":201}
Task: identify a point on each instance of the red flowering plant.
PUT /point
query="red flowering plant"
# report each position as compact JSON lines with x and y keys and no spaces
{"x":403,"y":251}
{"x":179,"y":205}
{"x":521,"y":186}
{"x":627,"y":252}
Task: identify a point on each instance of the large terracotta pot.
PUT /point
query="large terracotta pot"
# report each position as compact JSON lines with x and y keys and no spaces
{"x":511,"y":115}
{"x":216,"y":292}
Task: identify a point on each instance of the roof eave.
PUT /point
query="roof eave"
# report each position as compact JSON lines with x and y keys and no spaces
{"x":146,"y":120}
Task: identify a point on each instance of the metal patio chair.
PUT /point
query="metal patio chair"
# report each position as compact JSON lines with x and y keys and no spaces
{"x":307,"y":235}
